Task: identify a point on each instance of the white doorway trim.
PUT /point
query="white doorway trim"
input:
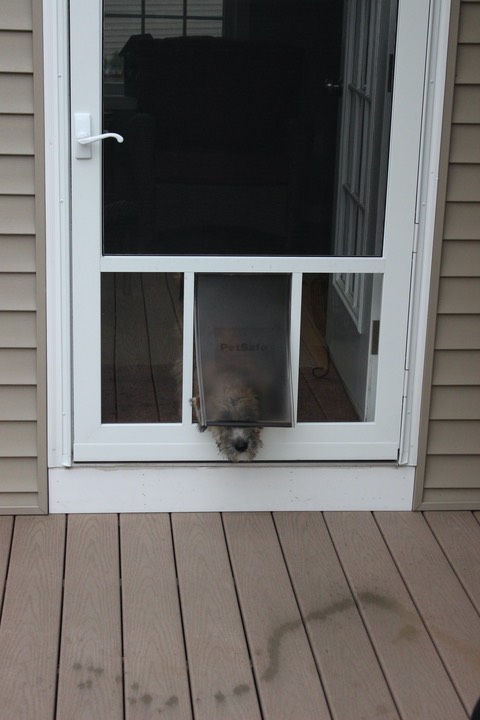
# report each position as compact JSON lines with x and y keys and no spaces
{"x":216,"y":488}
{"x":124,"y":486}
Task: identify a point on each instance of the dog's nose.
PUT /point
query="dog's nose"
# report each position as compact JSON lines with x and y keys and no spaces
{"x":241,"y":445}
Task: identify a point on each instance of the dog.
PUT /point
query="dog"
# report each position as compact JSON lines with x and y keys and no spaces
{"x":233,"y":401}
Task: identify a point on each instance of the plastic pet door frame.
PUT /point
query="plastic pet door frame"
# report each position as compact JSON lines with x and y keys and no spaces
{"x":242,"y":341}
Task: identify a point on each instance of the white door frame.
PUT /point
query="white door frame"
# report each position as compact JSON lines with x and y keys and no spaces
{"x":376,"y":439}
{"x":303,"y":486}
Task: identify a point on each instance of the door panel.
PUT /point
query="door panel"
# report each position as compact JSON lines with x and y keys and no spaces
{"x":237,"y":178}
{"x":362,"y":171}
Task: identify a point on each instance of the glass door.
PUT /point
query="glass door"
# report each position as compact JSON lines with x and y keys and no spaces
{"x":355,"y":300}
{"x":239,"y":137}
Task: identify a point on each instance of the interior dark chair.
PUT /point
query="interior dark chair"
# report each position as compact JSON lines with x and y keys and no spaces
{"x":217,"y":146}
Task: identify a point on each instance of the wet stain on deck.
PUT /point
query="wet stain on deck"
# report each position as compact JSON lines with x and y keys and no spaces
{"x":277,"y":637}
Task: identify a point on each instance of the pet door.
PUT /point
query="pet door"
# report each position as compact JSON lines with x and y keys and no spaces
{"x":242,"y":337}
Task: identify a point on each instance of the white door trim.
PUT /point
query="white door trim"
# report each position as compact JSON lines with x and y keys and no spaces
{"x":57,"y":231}
{"x":67,"y":487}
{"x":241,"y":488}
{"x":429,"y":166}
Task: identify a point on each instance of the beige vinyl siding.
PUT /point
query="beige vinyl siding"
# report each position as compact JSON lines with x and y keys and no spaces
{"x":452,"y":466}
{"x":16,"y":15}
{"x":22,"y":317}
{"x":16,"y":134}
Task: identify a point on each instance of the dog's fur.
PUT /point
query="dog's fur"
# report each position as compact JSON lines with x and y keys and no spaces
{"x":234,"y":401}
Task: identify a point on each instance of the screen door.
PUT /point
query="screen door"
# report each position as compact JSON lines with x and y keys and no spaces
{"x":239,"y":138}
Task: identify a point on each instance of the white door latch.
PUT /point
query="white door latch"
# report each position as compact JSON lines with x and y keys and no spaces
{"x":84,"y":138}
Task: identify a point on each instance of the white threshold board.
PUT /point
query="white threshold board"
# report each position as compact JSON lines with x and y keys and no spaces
{"x":111,"y":488}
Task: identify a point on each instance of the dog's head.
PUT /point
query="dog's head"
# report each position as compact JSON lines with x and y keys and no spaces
{"x":238,"y":444}
{"x":233,"y":402}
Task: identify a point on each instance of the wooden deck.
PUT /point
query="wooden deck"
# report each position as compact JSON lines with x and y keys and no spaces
{"x":244,"y":616}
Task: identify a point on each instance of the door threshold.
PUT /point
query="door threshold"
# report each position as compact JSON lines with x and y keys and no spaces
{"x":218,"y":487}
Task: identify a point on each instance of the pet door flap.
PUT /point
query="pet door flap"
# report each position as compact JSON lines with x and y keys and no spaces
{"x":242,"y":337}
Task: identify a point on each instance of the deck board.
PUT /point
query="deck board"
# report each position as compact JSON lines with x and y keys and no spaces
{"x":31,"y":619}
{"x":248,"y":616}
{"x":458,"y":534}
{"x":91,"y":674}
{"x":6,"y":530}
{"x":164,"y":315}
{"x":448,"y":614}
{"x":220,"y":673}
{"x":353,"y":679}
{"x":417,"y":678}
{"x":109,"y":410}
{"x":156,"y":677}
{"x":285,"y":669}
{"x":136,"y":399}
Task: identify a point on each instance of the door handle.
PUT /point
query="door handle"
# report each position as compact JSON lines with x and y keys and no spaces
{"x":84,"y":138}
{"x":94,"y":138}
